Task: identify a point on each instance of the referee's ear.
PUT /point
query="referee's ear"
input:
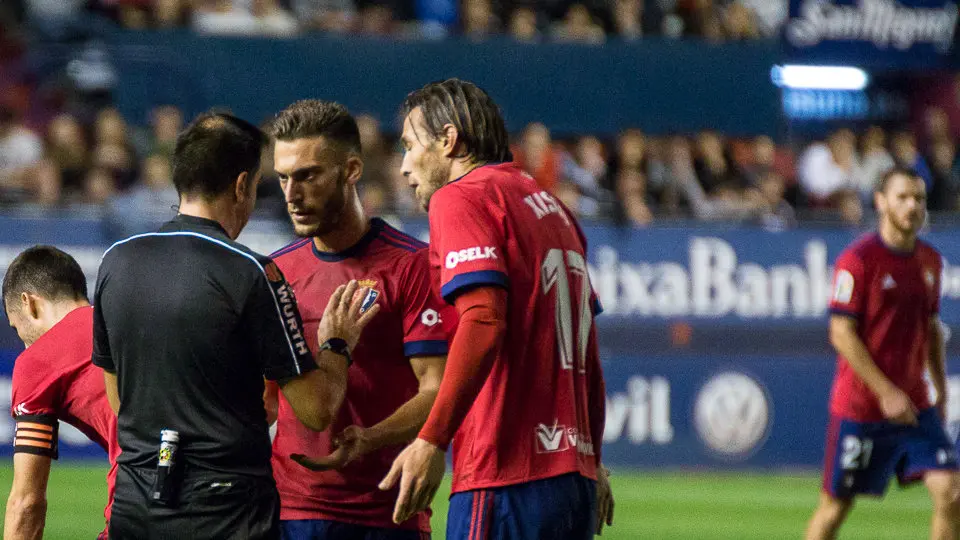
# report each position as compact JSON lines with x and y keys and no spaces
{"x":240,"y":188}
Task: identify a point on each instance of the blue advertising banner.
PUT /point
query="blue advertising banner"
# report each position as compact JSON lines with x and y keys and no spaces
{"x":713,"y":338}
{"x":895,"y":34}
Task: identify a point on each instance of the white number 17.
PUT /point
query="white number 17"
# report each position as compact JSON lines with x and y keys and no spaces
{"x":554,"y":274}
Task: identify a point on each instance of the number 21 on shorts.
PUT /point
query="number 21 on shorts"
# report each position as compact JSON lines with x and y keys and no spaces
{"x":856,"y":453}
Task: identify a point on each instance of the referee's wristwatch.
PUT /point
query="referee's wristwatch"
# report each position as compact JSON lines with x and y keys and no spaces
{"x":338,"y":346}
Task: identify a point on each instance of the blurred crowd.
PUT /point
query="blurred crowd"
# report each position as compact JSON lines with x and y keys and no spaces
{"x":585,"y":21}
{"x":633,"y":179}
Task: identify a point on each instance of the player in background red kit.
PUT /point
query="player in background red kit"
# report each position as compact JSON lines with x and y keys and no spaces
{"x":397,"y":365}
{"x":523,"y":389}
{"x":45,"y":299}
{"x":886,"y":330}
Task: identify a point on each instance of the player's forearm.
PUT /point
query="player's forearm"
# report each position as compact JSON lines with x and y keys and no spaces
{"x":334,"y":380}
{"x":403,"y":425}
{"x":25,"y":517}
{"x":852,"y":348}
{"x":473,"y":353}
{"x":936,"y":360}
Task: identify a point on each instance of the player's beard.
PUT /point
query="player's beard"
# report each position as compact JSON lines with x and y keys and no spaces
{"x":329,"y":216}
{"x":437,"y":174}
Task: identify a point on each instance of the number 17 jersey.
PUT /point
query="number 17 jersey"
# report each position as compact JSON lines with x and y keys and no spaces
{"x":540,"y":412}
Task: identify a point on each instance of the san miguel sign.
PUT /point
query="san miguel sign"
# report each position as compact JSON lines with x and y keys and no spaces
{"x":872,"y":32}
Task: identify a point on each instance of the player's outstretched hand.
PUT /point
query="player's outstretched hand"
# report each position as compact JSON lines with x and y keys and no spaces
{"x":898,"y":408}
{"x":343,"y":317}
{"x":419,"y":468}
{"x":604,"y":499}
{"x":350,"y":445}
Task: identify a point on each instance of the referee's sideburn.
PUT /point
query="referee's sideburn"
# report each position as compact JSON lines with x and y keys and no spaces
{"x":187,"y":325}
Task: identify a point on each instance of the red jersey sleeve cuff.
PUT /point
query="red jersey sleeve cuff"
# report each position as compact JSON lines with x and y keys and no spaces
{"x":434,"y":439}
{"x":469,"y":280}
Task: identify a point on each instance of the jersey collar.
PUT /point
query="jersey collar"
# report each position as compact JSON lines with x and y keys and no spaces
{"x":194,"y":223}
{"x":376,"y":226}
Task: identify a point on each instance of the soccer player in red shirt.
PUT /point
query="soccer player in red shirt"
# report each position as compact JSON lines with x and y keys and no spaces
{"x":397,"y":366}
{"x":886,"y":330}
{"x":45,"y":298}
{"x":523,"y":390}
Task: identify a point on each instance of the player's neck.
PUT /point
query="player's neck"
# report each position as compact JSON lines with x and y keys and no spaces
{"x":215,"y":210}
{"x":352,"y":228}
{"x":59,"y":310}
{"x":461,"y":167}
{"x":896,"y":239}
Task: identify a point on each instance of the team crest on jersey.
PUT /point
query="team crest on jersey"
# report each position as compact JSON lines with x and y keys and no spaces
{"x":273,"y":273}
{"x":369,"y":300}
{"x":843,"y":287}
{"x":369,"y":283}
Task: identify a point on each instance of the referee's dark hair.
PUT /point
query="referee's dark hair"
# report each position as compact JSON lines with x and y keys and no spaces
{"x":213,"y":151}
{"x":472,"y":111}
{"x":47,"y":272}
{"x":881,"y":185}
{"x":309,"y":118}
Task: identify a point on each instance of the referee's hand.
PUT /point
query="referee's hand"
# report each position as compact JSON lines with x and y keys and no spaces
{"x":342,"y":317}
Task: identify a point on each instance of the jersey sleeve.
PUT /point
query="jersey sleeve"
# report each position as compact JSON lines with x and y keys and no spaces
{"x":424,"y":313}
{"x":101,"y":343}
{"x":34,"y":406}
{"x":849,"y":286}
{"x":276,"y":326}
{"x":468,"y":243}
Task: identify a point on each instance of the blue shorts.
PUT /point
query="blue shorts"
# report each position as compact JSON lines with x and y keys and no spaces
{"x":559,"y":508}
{"x":323,"y":529}
{"x":861,"y":457}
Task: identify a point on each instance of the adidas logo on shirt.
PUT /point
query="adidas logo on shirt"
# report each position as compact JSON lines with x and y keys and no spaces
{"x":888,"y":282}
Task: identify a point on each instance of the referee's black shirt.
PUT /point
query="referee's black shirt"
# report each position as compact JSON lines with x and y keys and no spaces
{"x":191,"y":322}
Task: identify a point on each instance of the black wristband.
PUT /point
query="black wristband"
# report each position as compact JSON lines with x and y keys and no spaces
{"x":338,"y":346}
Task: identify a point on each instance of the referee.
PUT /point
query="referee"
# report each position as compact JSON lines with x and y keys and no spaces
{"x":187,"y":324}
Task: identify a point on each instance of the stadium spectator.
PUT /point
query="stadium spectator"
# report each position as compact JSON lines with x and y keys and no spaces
{"x":628,"y":19}
{"x":170,"y":14}
{"x":875,"y":162}
{"x":536,"y":155}
{"x":769,"y":14}
{"x":714,"y":167}
{"x":272,"y":20}
{"x":777,"y":213}
{"x":21,"y":151}
{"x":523,"y":25}
{"x":632,"y":198}
{"x":936,"y":126}
{"x":724,"y":206}
{"x":478,"y":19}
{"x":946,"y":177}
{"x":166,"y":122}
{"x":739,"y":23}
{"x":377,"y":20}
{"x":98,"y":186}
{"x":149,"y":203}
{"x":578,"y":26}
{"x":67,"y":155}
{"x":45,"y":300}
{"x":336,"y":16}
{"x":903,"y":146}
{"x":223,"y":17}
{"x":827,"y":168}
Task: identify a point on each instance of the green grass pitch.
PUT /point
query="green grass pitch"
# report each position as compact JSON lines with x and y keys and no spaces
{"x":650,"y":505}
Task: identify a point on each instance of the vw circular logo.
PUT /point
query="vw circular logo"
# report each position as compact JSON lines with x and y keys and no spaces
{"x":732,"y":415}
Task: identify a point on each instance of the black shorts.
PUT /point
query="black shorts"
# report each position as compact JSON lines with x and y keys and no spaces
{"x":210,"y":506}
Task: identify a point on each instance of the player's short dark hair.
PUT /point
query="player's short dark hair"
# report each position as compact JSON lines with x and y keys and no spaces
{"x":213,"y":151}
{"x":310,"y":118}
{"x":45,"y":271}
{"x":472,"y":111}
{"x":884,"y":181}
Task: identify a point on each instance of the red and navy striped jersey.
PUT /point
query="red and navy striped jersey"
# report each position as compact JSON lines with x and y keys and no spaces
{"x":413,"y":321}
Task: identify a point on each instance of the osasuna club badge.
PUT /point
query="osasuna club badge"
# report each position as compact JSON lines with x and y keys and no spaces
{"x":372,"y":294}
